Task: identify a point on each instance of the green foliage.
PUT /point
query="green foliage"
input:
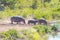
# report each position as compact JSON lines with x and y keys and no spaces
{"x":55,"y":27}
{"x":39,"y":8}
{"x":26,"y":34}
{"x":47,"y":0}
{"x":42,"y":29}
{"x":12,"y":34}
{"x":30,"y":34}
{"x":39,"y":32}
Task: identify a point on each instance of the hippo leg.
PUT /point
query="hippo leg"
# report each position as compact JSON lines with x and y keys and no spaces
{"x":24,"y":22}
{"x":46,"y":24}
{"x":28,"y":23}
{"x":17,"y":22}
{"x":39,"y":23}
{"x":11,"y":22}
{"x":34,"y":23}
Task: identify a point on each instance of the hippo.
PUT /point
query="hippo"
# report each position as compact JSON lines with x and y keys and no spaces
{"x":17,"y":19}
{"x":32,"y":22}
{"x":42,"y":21}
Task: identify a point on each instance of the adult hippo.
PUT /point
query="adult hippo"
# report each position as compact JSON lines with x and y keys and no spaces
{"x":17,"y":19}
{"x":42,"y":21}
{"x":32,"y":22}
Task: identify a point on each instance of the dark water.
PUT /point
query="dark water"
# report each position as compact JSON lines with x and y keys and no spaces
{"x":57,"y":37}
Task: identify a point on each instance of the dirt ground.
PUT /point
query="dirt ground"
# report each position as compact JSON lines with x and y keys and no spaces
{"x":5,"y":25}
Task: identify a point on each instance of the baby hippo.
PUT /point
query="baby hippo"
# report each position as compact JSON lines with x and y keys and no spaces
{"x":32,"y":22}
{"x":41,"y":21}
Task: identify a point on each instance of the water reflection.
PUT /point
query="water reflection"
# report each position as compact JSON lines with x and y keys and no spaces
{"x":57,"y":37}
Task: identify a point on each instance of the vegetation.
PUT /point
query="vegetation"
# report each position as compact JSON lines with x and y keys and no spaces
{"x":48,"y":9}
{"x":9,"y":35}
{"x":40,"y":32}
{"x":43,"y":29}
{"x":26,"y":34}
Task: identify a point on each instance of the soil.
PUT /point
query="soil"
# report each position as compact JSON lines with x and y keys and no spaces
{"x":5,"y":25}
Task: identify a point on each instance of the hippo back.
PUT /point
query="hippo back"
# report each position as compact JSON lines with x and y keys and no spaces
{"x":32,"y":21}
{"x":42,"y":21}
{"x":16,"y":19}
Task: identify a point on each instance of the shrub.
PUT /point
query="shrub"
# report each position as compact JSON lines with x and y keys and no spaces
{"x":55,"y":27}
{"x":30,"y":34}
{"x":11,"y":34}
{"x":42,"y":29}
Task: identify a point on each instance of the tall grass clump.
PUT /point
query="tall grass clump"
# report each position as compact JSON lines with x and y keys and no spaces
{"x":11,"y":34}
{"x":42,"y":29}
{"x":30,"y":34}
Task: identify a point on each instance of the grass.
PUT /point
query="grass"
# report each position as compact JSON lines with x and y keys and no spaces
{"x":48,"y":14}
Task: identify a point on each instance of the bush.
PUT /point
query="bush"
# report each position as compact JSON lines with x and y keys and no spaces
{"x":55,"y":27}
{"x":25,"y":34}
{"x":30,"y":34}
{"x":12,"y":34}
{"x":42,"y":29}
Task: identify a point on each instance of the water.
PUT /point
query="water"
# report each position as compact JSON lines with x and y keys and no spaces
{"x":57,"y":37}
